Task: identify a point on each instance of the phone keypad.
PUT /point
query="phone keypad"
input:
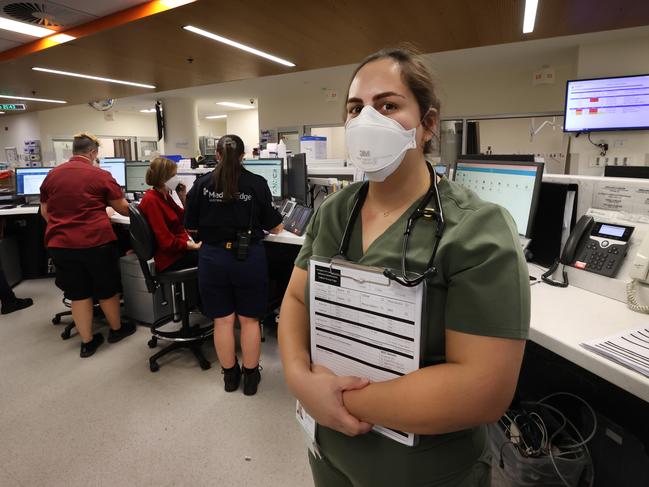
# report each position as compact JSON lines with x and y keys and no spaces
{"x":602,"y":258}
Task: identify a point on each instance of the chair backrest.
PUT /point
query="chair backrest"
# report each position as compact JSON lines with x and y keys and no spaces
{"x":143,"y":243}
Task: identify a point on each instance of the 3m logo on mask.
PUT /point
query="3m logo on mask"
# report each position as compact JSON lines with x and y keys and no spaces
{"x":364,"y":153}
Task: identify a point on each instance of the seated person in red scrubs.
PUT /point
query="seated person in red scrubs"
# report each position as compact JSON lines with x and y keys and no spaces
{"x":175,"y":249}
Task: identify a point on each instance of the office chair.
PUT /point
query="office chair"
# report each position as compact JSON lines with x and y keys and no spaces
{"x":191,"y":337}
{"x":67,"y":331}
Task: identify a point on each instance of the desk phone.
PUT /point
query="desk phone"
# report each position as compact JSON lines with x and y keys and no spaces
{"x":596,"y":246}
{"x":296,"y":216}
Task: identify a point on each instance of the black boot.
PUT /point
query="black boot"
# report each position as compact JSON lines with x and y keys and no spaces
{"x":88,"y":349}
{"x":125,"y":330}
{"x":232,"y":377}
{"x":251,"y":379}
{"x":15,"y":305}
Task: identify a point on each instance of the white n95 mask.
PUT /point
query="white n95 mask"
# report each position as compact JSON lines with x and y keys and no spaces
{"x":377,"y":144}
{"x":172,"y":183}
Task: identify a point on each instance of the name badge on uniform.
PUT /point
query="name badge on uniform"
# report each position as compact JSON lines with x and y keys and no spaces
{"x":308,"y":425}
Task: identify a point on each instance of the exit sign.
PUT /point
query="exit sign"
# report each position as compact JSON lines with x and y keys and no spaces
{"x":12,"y":106}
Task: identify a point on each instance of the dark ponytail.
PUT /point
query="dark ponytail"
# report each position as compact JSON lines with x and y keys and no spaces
{"x":228,"y":170}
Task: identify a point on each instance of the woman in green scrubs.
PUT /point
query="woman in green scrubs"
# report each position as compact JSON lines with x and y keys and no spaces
{"x":477,"y":306}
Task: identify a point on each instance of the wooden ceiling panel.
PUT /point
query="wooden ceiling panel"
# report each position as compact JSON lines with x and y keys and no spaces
{"x":155,"y":49}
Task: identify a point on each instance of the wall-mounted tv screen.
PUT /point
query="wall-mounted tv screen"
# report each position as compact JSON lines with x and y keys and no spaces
{"x":619,"y":103}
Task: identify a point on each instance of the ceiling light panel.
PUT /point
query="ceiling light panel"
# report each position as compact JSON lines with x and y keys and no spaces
{"x":530,"y":15}
{"x":238,"y":45}
{"x":95,"y":78}
{"x":24,"y":28}
{"x":45,"y":100}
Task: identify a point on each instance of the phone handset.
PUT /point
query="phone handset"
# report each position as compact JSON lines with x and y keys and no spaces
{"x":638,"y":273}
{"x":581,"y":230}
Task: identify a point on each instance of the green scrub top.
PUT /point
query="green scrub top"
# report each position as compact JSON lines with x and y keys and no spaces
{"x":481,"y":288}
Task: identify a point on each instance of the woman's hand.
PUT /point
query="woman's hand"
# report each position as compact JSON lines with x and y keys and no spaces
{"x":278,"y":229}
{"x":191,"y":245}
{"x":321,"y":394}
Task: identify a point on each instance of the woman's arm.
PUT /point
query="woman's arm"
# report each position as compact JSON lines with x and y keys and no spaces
{"x":163,"y":236}
{"x":474,"y":386}
{"x":278,"y":229}
{"x":319,"y":392}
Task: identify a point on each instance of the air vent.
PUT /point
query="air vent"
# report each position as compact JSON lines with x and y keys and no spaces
{"x":44,"y":14}
{"x":32,"y":13}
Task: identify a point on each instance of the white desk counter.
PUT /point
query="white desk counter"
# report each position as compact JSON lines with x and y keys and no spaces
{"x":286,"y":238}
{"x":20,"y":210}
{"x":283,"y":237}
{"x":562,"y":318}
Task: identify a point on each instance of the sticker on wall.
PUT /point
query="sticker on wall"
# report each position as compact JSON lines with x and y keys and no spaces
{"x":331,"y":95}
{"x":544,"y":76}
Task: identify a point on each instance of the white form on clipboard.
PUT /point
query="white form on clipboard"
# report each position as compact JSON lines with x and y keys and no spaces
{"x":364,"y":325}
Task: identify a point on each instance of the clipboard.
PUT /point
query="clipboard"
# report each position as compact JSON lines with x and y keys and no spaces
{"x":365,"y":325}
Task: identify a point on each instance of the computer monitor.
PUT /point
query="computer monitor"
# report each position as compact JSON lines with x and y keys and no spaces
{"x":270,"y":170}
{"x":442,"y":169}
{"x":116,"y":166}
{"x":298,"y":183}
{"x":29,"y":180}
{"x":136,"y":177}
{"x":512,"y":185}
{"x":626,"y":172}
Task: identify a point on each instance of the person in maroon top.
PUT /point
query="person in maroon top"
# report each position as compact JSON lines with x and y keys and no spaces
{"x":174,"y":249}
{"x":81,"y":241}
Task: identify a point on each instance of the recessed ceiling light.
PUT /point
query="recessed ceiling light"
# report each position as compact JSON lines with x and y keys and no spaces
{"x":31,"y":99}
{"x":148,"y":110}
{"x":238,"y":45}
{"x":530,"y":15}
{"x":23,"y":28}
{"x":96,"y":78}
{"x":235,"y":105}
{"x":216,"y":116}
{"x":61,"y":38}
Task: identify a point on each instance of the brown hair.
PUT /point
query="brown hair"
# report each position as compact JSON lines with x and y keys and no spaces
{"x":160,"y":171}
{"x":228,"y":170}
{"x":84,"y":143}
{"x":416,"y":77}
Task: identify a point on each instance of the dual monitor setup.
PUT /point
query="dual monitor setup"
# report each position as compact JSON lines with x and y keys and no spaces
{"x":291,"y":183}
{"x":131,"y":175}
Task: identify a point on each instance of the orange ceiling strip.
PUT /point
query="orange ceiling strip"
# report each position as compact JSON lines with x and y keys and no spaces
{"x":113,"y":20}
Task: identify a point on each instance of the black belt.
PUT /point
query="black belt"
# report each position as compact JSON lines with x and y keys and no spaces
{"x":232,"y":245}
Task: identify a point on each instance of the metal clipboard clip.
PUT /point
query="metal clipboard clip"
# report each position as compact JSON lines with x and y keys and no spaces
{"x":385,"y":282}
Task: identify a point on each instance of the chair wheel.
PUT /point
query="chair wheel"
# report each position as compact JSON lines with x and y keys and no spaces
{"x":154,"y":367}
{"x":56,"y":320}
{"x":65,"y":334}
{"x":205,"y":365}
{"x":152,"y":343}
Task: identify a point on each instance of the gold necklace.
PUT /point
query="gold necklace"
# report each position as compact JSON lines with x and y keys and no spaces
{"x":387,"y":213}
